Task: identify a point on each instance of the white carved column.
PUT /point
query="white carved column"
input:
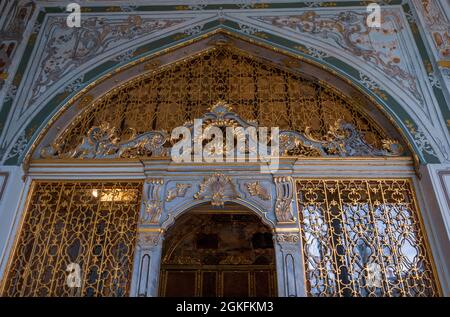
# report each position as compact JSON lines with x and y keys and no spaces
{"x":434,"y":187}
{"x":288,"y":249}
{"x":290,"y":273}
{"x":147,"y":259}
{"x":147,"y":262}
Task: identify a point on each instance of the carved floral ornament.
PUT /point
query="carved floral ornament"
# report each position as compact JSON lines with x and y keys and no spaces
{"x":283,"y":205}
{"x":341,"y":140}
{"x":258,"y":190}
{"x":179,"y":191}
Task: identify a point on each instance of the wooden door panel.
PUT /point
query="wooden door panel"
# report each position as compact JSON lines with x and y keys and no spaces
{"x":217,"y":282}
{"x":236,"y":284}
{"x":181,"y":284}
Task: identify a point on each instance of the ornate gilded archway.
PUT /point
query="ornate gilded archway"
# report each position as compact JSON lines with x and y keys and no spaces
{"x":341,"y":202}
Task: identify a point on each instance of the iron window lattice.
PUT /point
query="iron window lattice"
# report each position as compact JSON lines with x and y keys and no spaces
{"x":91,"y":224}
{"x":363,"y":238}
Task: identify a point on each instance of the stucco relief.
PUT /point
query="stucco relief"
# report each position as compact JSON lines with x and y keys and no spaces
{"x":347,"y":30}
{"x":179,"y":190}
{"x":217,"y":188}
{"x":261,"y":193}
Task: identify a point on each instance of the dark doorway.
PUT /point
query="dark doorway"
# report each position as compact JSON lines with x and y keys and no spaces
{"x":212,"y":253}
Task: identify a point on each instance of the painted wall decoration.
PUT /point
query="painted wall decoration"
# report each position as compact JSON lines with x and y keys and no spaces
{"x":347,"y":30}
{"x":66,"y":49}
{"x":15,"y":18}
{"x":437,"y":23}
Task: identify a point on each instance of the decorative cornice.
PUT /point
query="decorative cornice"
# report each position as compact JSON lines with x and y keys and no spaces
{"x":149,"y":239}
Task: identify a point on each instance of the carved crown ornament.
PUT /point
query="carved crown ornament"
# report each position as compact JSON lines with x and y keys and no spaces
{"x":218,"y":188}
{"x":341,"y":140}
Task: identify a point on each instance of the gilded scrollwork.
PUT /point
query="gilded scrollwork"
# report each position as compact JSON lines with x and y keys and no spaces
{"x":304,"y":104}
{"x":342,"y":140}
{"x":288,"y":238}
{"x":179,"y":191}
{"x":103,"y":142}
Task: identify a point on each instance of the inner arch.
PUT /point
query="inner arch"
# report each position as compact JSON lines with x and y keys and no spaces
{"x":218,"y":253}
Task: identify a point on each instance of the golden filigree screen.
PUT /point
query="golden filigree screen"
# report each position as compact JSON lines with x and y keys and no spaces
{"x":256,"y":89}
{"x":363,"y":238}
{"x":92,"y":225}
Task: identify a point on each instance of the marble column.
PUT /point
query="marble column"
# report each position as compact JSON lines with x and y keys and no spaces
{"x":147,"y":261}
{"x":290,"y":273}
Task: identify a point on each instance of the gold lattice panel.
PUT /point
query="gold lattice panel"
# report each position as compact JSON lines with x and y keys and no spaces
{"x":256,"y":89}
{"x":363,"y":238}
{"x":90,"y":224}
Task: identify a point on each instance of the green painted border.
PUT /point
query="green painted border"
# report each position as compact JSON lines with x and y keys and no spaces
{"x":346,"y":70}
